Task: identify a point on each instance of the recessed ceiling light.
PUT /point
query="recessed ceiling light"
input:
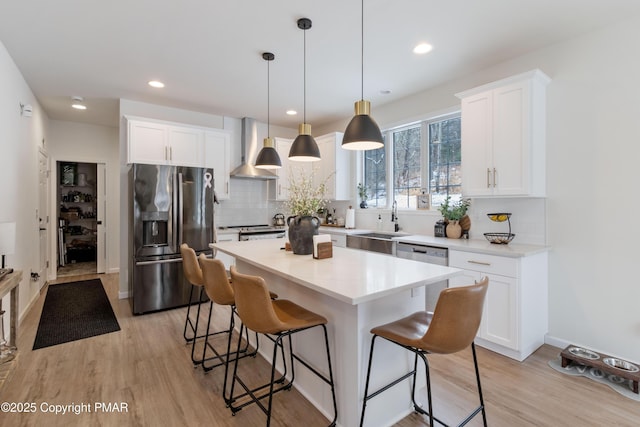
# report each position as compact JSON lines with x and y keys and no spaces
{"x":385,"y":91}
{"x":78,"y":103}
{"x":156,"y":83}
{"x":291,"y":112}
{"x":422,"y":48}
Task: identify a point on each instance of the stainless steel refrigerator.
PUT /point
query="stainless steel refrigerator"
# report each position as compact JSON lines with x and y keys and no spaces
{"x":171,"y":205}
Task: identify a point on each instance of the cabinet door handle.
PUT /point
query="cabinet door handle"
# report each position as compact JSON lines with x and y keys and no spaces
{"x":166,"y":157}
{"x":171,"y":155}
{"x":488,"y":178}
{"x":479,"y":262}
{"x":495,"y":180}
{"x":227,"y":186}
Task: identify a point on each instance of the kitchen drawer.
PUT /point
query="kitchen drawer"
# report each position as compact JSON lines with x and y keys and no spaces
{"x":339,"y":240}
{"x":489,"y":264}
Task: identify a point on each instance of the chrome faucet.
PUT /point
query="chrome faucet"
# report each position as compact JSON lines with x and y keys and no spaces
{"x":394,"y":216}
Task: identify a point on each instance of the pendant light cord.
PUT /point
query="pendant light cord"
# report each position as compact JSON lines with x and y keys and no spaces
{"x":362,"y":50}
{"x":268,"y":102}
{"x":304,"y":78}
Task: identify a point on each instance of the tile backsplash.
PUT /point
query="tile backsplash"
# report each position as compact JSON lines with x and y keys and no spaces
{"x":247,"y":206}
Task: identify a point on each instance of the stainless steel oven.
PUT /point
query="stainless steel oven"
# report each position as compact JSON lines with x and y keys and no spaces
{"x":431,"y":255}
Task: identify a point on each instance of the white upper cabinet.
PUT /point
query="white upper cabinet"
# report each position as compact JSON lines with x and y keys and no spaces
{"x":163,"y":143}
{"x":279,"y":187}
{"x":217,"y":155}
{"x":185,"y":146}
{"x":158,"y":143}
{"x":334,"y":164}
{"x":503,"y":137}
{"x":147,"y":142}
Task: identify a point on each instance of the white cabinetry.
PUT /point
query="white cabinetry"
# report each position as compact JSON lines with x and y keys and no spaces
{"x":334,"y":164}
{"x":217,"y":155}
{"x":503,"y":137}
{"x":338,"y":239}
{"x":228,"y":260}
{"x":281,"y":184}
{"x":515,"y":315}
{"x":159,"y":143}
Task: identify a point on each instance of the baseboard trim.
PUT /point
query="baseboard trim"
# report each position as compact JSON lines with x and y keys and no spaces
{"x":123,"y":294}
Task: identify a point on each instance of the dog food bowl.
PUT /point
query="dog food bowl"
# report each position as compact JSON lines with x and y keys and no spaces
{"x":620,"y":364}
{"x":584,"y":353}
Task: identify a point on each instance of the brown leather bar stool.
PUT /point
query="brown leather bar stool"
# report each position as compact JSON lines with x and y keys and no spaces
{"x":449,"y":329}
{"x":220,"y":291}
{"x":193,"y":274}
{"x":276,"y":319}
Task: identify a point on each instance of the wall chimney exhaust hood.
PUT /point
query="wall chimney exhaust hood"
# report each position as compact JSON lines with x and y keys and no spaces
{"x":250,"y":148}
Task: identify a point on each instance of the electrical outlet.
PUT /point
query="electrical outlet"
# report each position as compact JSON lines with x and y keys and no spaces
{"x":416,"y":292}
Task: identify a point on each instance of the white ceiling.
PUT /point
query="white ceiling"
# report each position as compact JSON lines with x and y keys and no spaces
{"x":208,"y":52}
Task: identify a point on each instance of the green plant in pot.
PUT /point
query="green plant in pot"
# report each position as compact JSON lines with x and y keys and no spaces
{"x":306,"y":199}
{"x":453,"y":212}
{"x":364,"y":195}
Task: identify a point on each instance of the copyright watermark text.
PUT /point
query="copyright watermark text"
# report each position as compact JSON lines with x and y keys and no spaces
{"x":65,"y":408}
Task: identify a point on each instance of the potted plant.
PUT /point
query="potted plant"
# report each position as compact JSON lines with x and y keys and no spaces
{"x":364,"y":196}
{"x":305,"y":201}
{"x":453,"y":212}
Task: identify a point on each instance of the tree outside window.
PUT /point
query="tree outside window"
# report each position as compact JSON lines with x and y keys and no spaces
{"x":425,"y":157}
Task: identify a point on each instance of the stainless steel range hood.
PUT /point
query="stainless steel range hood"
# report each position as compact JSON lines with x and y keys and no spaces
{"x":250,"y":148}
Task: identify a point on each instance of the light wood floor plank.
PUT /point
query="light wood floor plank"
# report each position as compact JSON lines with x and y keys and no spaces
{"x":148,"y":366}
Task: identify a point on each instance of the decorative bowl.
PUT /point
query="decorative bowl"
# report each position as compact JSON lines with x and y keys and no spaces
{"x":499,"y":238}
{"x":499,"y":217}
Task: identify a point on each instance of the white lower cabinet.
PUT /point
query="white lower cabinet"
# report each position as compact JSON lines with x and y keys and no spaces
{"x":515,"y":315}
{"x":228,"y":260}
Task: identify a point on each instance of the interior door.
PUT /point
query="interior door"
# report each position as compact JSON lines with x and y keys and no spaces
{"x":101,"y":242}
{"x":43,"y":216}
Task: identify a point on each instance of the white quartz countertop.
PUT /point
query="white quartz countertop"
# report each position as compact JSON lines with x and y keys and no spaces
{"x":351,"y":275}
{"x":513,"y":250}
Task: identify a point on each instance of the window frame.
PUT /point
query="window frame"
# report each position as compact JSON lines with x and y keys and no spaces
{"x":387,"y":134}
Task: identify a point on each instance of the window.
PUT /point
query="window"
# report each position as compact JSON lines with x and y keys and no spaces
{"x":425,"y":157}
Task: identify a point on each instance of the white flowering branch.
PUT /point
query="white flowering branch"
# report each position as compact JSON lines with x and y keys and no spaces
{"x":305,"y":198}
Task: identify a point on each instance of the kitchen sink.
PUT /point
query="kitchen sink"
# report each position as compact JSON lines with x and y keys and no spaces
{"x":385,"y":236}
{"x":375,"y":242}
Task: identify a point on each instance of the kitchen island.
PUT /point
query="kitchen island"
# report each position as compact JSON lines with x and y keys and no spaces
{"x":355,"y":290}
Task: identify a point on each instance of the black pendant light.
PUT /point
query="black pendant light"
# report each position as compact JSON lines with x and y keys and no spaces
{"x":304,"y":147}
{"x":362,"y":132}
{"x":268,"y":157}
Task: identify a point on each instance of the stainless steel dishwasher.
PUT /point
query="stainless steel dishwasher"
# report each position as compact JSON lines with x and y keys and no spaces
{"x":431,"y":255}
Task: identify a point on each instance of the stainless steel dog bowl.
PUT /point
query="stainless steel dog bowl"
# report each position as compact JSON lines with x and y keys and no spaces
{"x":584,"y":353}
{"x":620,"y":364}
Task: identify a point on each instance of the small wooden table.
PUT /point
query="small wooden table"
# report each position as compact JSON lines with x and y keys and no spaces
{"x":598,"y":363}
{"x":11,"y":283}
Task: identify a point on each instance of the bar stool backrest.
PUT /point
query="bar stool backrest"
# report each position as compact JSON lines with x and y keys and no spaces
{"x":190,"y":265}
{"x":456,"y":319}
{"x":216,"y":282}
{"x":254,"y":305}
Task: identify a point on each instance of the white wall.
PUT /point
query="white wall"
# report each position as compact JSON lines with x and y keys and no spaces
{"x":79,"y":142}
{"x":20,"y":140}
{"x":593,"y":146}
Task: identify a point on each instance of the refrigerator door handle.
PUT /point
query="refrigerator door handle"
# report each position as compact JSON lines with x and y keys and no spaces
{"x":162,"y":261}
{"x":180,"y":208}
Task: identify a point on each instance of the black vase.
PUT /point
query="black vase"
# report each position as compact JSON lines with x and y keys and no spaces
{"x":301,"y":232}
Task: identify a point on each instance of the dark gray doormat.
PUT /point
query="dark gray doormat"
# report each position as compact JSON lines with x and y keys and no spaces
{"x":73,"y":311}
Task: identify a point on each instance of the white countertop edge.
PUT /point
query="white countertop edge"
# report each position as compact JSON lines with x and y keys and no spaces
{"x":511,"y":250}
{"x":328,"y":292}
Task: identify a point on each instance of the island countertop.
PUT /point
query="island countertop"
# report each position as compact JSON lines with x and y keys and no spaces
{"x":351,"y":276}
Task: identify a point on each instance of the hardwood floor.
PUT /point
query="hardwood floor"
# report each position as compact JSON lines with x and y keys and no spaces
{"x":147,"y":366}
